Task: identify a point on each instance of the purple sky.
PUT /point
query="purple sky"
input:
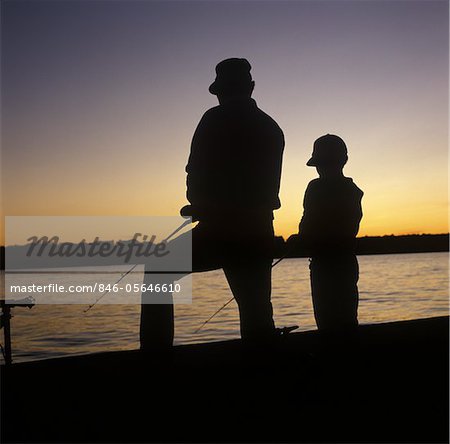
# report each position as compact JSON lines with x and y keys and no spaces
{"x":100,"y":100}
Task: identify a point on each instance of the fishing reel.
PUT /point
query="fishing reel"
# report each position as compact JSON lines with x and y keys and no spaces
{"x":5,"y":314}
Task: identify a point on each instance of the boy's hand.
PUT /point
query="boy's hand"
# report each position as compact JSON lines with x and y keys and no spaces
{"x":296,"y":245}
{"x":293,"y":240}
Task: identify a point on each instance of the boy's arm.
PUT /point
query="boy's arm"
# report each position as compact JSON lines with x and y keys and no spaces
{"x":304,"y":243}
{"x":308,"y":224}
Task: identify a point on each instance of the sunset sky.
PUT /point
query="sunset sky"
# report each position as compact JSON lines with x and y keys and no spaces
{"x":100,"y":100}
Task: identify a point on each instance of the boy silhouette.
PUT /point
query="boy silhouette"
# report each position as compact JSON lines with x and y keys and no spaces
{"x":327,"y":231}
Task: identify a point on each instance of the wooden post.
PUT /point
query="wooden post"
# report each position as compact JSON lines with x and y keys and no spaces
{"x":6,"y":315}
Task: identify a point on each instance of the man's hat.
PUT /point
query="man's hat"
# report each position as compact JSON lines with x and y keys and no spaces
{"x":230,"y":74}
{"x":328,"y":150}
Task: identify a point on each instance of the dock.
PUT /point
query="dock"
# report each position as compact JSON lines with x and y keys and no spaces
{"x":387,"y":383}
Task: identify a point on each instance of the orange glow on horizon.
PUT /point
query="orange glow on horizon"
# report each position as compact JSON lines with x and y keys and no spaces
{"x":103,"y":126}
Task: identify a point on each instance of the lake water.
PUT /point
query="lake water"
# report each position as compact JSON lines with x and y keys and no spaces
{"x":392,"y":287}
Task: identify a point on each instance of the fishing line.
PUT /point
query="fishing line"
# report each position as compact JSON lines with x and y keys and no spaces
{"x":230,"y":300}
{"x":186,"y":222}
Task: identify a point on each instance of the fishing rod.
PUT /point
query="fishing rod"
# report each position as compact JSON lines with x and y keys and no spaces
{"x":109,"y":288}
{"x":230,"y":300}
{"x":186,"y":222}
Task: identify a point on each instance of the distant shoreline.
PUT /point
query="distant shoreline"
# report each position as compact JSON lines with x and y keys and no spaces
{"x":388,"y":244}
{"x":367,"y":245}
{"x":423,"y":243}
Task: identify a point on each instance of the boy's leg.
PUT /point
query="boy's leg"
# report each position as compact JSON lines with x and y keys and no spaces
{"x":321,"y":293}
{"x":335,"y":292}
{"x":348,"y":291}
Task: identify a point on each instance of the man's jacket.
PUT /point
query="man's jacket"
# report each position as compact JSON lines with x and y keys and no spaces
{"x":235,"y":161}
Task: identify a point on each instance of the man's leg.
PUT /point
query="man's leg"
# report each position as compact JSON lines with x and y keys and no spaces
{"x":157,"y":319}
{"x":157,"y":316}
{"x":250,"y":282}
{"x":157,"y":326}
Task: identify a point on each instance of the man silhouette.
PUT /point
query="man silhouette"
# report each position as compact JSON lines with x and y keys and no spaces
{"x":233,"y":179}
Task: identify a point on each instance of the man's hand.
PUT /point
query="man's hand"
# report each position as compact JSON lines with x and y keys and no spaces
{"x":189,"y":211}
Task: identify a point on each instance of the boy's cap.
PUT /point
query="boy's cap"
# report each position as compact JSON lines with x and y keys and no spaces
{"x":230,"y":73}
{"x":328,"y":150}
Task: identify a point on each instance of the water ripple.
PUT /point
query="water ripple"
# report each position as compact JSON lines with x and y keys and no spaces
{"x":392,"y":287}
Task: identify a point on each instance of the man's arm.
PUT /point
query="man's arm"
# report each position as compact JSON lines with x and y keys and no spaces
{"x":277,"y":163}
{"x":267,"y":169}
{"x":196,"y":168}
